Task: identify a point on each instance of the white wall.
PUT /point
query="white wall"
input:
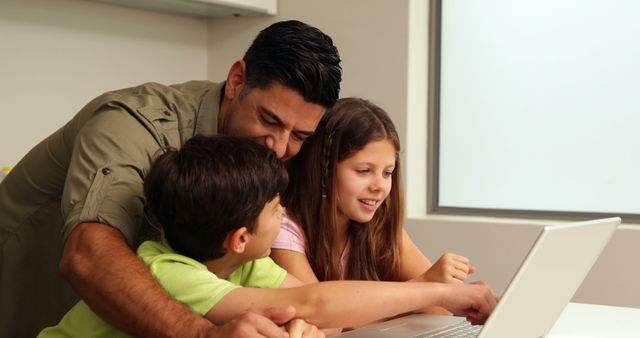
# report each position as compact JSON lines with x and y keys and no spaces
{"x":371,"y":36}
{"x":56,"y":55}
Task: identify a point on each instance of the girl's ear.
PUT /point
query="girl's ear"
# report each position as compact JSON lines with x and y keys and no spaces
{"x":235,"y":79}
{"x":237,"y":240}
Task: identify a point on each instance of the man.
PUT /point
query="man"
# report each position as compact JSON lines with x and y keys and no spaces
{"x":86,"y":181}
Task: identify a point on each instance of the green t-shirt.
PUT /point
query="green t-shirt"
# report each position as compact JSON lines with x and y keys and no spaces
{"x":184,"y":278}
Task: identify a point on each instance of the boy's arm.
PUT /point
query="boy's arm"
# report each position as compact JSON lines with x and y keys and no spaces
{"x":353,"y":303}
{"x":291,"y":281}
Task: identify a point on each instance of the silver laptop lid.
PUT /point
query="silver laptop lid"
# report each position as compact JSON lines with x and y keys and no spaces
{"x":560,"y":259}
{"x":546,"y":281}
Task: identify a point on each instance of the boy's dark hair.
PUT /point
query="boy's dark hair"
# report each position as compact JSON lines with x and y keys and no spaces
{"x":210,"y":187}
{"x":298,"y":56}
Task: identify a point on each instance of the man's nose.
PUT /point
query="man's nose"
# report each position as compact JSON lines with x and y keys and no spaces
{"x":278,"y":143}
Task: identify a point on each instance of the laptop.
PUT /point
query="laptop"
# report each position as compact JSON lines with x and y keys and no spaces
{"x":544,"y":284}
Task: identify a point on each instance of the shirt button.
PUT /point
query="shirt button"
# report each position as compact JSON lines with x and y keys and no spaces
{"x":106,"y":171}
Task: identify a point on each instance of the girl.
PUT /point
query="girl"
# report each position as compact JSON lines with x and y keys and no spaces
{"x":344,"y":206}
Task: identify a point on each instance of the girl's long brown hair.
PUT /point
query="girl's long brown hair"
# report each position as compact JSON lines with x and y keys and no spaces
{"x":311,"y":198}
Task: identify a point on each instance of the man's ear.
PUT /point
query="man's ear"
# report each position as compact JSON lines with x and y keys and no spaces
{"x":235,"y":79}
{"x":237,"y":240}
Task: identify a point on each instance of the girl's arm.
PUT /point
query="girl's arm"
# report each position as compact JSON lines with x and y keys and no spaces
{"x":414,"y":266}
{"x":354,"y":303}
{"x":413,"y":263}
{"x":296,"y":264}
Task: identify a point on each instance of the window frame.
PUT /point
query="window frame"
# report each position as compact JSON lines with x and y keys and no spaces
{"x":433,"y":145}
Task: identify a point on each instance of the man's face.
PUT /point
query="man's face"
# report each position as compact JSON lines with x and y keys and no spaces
{"x":277,"y":117}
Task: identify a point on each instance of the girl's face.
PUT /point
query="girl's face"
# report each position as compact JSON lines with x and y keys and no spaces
{"x":364,"y":181}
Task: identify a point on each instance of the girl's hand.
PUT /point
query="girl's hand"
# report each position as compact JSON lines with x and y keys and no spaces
{"x":298,"y":328}
{"x":450,"y":268}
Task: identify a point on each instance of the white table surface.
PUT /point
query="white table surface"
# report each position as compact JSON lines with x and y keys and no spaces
{"x":602,"y":321}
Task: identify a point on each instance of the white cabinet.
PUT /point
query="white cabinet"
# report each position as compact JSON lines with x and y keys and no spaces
{"x":205,"y":8}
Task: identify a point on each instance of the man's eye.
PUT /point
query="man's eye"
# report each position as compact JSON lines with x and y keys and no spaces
{"x":268,"y":121}
{"x":298,"y":137}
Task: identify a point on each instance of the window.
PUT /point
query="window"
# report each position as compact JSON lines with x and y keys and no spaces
{"x":535,"y":107}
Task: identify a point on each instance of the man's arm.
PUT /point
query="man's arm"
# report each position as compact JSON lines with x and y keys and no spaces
{"x":111,"y":279}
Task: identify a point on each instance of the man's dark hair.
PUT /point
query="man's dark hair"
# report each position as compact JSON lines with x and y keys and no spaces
{"x":210,"y":187}
{"x":298,"y":56}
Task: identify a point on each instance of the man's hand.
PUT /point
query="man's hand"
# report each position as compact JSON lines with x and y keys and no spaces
{"x":298,"y":328}
{"x":253,"y":325}
{"x":450,"y":268}
{"x":273,"y":323}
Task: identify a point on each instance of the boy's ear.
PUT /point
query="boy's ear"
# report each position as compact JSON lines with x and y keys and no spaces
{"x":237,"y":240}
{"x":235,"y":79}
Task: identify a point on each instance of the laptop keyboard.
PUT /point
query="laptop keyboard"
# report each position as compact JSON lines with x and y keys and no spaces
{"x":459,"y":330}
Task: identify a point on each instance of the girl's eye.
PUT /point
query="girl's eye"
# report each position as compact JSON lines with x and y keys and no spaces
{"x":388,"y":173}
{"x":362,"y":170}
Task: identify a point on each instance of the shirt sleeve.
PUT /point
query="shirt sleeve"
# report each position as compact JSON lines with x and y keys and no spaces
{"x":259,"y":273}
{"x":112,"y":153}
{"x":290,"y":237}
{"x":185,"y":279}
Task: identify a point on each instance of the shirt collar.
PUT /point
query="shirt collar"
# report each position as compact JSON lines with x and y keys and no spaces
{"x":207,"y":121}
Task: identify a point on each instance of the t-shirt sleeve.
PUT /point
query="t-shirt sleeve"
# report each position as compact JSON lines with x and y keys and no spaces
{"x":112,"y":153}
{"x":185,"y":279}
{"x":259,"y":273}
{"x":290,"y":237}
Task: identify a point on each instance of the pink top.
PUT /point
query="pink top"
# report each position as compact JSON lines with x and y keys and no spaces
{"x":291,"y":238}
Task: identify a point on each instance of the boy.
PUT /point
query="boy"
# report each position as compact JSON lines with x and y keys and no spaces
{"x":217,"y":199}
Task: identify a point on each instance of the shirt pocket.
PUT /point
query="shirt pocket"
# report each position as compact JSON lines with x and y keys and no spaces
{"x":164,"y":125}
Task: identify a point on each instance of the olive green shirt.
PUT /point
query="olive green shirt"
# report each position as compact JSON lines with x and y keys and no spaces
{"x":90,"y":170}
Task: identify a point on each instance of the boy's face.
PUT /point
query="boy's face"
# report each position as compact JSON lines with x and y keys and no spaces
{"x":266,"y":229}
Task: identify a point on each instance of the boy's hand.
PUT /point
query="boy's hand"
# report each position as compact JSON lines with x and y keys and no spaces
{"x":254,"y":325}
{"x":298,"y":328}
{"x":475,"y":301}
{"x":450,"y":268}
